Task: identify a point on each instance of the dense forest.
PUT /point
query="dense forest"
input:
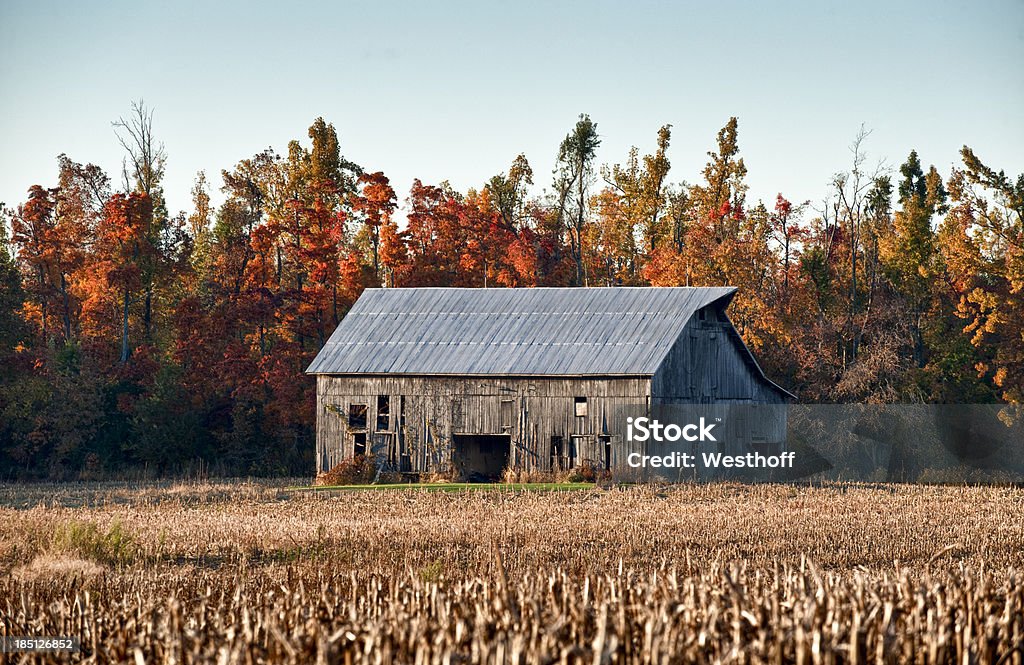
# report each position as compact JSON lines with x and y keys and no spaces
{"x":137,"y":341}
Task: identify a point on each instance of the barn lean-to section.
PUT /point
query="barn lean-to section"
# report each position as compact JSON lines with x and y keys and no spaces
{"x":469,"y":381}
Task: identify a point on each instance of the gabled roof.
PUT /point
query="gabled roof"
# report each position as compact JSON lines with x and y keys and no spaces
{"x":618,"y":331}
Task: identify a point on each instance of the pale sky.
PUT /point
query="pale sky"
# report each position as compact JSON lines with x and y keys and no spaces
{"x":455,"y":90}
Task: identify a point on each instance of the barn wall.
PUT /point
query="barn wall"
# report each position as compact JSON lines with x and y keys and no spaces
{"x":709,"y":365}
{"x":426,"y":411}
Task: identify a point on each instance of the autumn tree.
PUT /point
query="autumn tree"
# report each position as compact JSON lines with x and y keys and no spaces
{"x":394,"y":256}
{"x":435,"y":237}
{"x":534,"y":241}
{"x":982,"y":242}
{"x":119,"y":268}
{"x":791,"y":236}
{"x":574,"y":175}
{"x":630,"y":221}
{"x":12,"y":328}
{"x":143,"y":171}
{"x":508,"y":193}
{"x":908,"y":251}
{"x":702,"y":221}
{"x":40,"y":251}
{"x":720,"y":201}
{"x":373,"y":208}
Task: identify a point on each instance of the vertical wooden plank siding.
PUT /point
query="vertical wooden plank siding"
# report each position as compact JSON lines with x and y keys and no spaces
{"x":440,"y":406}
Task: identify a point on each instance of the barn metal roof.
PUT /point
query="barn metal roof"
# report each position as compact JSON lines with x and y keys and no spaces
{"x":539,"y":331}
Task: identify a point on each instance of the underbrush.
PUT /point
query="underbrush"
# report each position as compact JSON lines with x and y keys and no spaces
{"x":583,"y":473}
{"x":358,"y":470}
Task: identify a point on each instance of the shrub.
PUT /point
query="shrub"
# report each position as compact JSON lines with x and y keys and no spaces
{"x":585,"y":473}
{"x":359,"y":470}
{"x":89,"y":541}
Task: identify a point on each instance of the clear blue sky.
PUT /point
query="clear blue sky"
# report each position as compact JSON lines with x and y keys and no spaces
{"x":455,"y":90}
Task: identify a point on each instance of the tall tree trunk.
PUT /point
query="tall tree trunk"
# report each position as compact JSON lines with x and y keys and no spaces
{"x":42,"y":304}
{"x":67,"y":307}
{"x":124,"y":329}
{"x":147,"y":317}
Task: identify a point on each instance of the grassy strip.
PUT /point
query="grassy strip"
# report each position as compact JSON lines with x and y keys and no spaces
{"x":454,"y":487}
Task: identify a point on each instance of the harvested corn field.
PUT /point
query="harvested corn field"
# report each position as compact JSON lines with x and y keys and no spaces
{"x":256,"y":573}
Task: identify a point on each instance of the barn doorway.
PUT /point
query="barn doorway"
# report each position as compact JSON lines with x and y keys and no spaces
{"x":481,"y":457}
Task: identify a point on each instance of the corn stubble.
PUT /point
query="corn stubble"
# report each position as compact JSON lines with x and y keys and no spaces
{"x":724,"y":573}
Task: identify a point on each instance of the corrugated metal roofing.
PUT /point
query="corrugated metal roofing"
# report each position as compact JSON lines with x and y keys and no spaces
{"x":540,"y":331}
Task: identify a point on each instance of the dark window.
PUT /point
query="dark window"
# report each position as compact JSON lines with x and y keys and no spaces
{"x":606,"y":448}
{"x":404,"y":455}
{"x":557,"y":461}
{"x":702,"y":315}
{"x":581,"y":407}
{"x":357,"y":416}
{"x":359,"y":443}
{"x":383,"y":413}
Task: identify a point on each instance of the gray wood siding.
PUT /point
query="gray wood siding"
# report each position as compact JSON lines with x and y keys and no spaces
{"x":531,"y":410}
{"x":708,"y":363}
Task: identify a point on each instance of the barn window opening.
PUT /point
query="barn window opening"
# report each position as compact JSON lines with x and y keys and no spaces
{"x":357,"y":416}
{"x":702,"y":315}
{"x":577,"y":443}
{"x":383,"y":412}
{"x":557,"y":460}
{"x":580,"y":407}
{"x":359,"y":443}
{"x":507,"y":412}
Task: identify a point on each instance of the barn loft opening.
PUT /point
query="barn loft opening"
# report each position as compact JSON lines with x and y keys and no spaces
{"x":507,"y":412}
{"x":383,"y":413}
{"x":481,"y":457}
{"x":357,"y":416}
{"x":581,"y":407}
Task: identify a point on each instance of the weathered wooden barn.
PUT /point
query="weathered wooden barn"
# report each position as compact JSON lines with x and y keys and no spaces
{"x":471,"y":381}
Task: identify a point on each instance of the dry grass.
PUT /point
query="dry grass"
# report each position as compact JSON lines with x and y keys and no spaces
{"x":51,"y":568}
{"x":236,"y":573}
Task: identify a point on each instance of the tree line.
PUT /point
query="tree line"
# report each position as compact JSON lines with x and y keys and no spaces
{"x":133,"y":340}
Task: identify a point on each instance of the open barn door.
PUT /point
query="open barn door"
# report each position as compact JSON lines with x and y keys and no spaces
{"x":481,"y":457}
